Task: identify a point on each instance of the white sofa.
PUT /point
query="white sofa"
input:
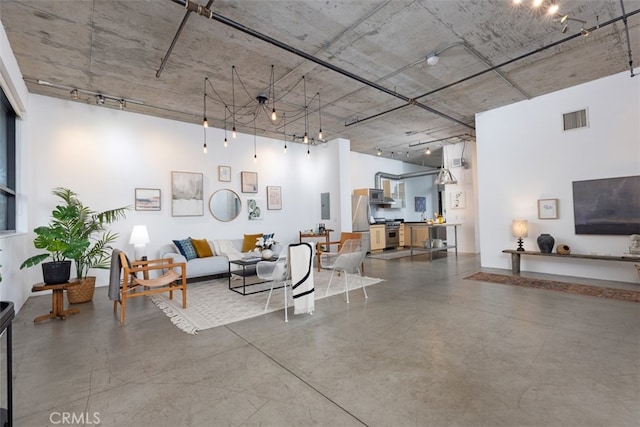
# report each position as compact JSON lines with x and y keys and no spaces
{"x":201,"y":267}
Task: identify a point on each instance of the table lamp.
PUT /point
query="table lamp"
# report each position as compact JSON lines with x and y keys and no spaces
{"x":139,"y":239}
{"x":520,"y":230}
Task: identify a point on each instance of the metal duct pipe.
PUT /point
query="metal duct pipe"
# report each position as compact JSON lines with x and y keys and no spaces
{"x":416,"y":174}
{"x":207,"y":13}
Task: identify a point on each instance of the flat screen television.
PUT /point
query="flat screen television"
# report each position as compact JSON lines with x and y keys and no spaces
{"x":607,"y":206}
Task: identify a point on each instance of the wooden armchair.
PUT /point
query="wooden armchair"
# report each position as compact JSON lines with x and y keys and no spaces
{"x":326,"y":246}
{"x":169,"y":280}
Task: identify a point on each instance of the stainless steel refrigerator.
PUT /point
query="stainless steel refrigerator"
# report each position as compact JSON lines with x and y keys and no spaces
{"x":360,"y":217}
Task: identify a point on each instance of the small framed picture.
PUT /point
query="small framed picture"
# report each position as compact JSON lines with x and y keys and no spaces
{"x":249,"y":182}
{"x":224,"y":173}
{"x":548,"y":209}
{"x":274,"y":198}
{"x":147,"y":199}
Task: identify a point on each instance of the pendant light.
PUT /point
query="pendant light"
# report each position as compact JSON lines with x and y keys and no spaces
{"x":445,"y":176}
{"x":319,"y":118}
{"x":272,"y":83}
{"x":306,"y":114}
{"x":225,"y":126}
{"x":284,"y":131}
{"x":234,"y":134}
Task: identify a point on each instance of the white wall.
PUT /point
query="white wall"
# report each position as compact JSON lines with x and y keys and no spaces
{"x":523,"y":156}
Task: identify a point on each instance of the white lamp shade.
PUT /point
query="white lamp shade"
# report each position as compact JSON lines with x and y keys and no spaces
{"x":139,"y":235}
{"x":520,"y":228}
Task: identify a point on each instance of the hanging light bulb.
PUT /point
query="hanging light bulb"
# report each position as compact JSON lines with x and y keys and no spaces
{"x":428,"y":152}
{"x":225,"y":127}
{"x":284,"y":132}
{"x":205,"y":123}
{"x":225,"y":142}
{"x":204,"y":147}
{"x":306,"y":138}
{"x":379,"y":152}
{"x":319,"y":118}
{"x":234,"y":134}
{"x":308,"y":154}
{"x":272,"y":82}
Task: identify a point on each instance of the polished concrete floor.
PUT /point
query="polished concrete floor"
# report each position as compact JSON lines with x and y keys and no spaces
{"x":426,"y":349}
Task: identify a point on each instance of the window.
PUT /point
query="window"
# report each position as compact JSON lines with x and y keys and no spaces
{"x":7,"y":165}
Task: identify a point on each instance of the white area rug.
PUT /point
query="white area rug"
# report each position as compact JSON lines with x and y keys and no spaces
{"x":211,"y":303}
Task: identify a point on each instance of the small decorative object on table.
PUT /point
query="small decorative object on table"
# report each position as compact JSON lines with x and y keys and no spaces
{"x":563,"y":249}
{"x":545,"y":243}
{"x":266,"y":246}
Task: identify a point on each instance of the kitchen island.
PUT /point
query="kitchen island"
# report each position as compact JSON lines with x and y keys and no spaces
{"x":416,"y":227}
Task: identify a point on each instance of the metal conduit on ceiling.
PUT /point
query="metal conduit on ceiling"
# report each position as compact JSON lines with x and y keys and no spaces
{"x":207,"y":13}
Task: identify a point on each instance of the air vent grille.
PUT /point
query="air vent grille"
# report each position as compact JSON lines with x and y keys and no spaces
{"x":575,"y":120}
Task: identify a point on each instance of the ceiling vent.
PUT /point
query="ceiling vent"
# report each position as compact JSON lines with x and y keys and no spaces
{"x":575,"y":120}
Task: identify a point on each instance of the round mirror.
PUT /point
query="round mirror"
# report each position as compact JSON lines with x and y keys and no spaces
{"x":225,"y":205}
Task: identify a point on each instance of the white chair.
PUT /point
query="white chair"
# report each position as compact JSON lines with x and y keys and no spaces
{"x":348,"y":260}
{"x":278,"y":273}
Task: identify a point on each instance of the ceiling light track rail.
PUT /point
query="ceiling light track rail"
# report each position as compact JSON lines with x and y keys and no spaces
{"x":207,"y":13}
{"x":74,"y":94}
{"x":495,"y":67}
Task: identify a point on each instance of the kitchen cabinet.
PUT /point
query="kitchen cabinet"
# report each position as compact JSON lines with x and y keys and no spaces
{"x":401,"y":239}
{"x":377,"y":237}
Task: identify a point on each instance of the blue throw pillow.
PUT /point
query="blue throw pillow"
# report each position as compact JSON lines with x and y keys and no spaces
{"x":186,"y":248}
{"x":268,"y":236}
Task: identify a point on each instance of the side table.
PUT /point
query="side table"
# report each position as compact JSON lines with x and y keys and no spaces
{"x":57,"y":300}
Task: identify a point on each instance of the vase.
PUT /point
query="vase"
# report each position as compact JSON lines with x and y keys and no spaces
{"x":545,"y":243}
{"x":267,"y":254}
{"x":56,"y":272}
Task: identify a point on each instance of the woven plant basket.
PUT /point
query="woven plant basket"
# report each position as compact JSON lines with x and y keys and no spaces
{"x":82,"y":292}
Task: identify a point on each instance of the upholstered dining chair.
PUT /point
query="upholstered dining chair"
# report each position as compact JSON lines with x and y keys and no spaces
{"x":171,"y":277}
{"x":348,"y":260}
{"x":322,"y":247}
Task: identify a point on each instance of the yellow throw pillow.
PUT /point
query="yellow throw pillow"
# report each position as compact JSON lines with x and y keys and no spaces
{"x":203,"y":250}
{"x":249,"y":242}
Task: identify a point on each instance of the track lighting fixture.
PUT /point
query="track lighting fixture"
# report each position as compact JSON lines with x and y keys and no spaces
{"x":565,"y":20}
{"x":100,"y":98}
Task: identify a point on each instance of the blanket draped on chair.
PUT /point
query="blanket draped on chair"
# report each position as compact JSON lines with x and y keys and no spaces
{"x":301,"y":264}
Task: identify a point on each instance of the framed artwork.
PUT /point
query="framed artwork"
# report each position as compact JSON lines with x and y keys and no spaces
{"x":421,"y":204}
{"x":255,"y":209}
{"x":147,"y":199}
{"x":187,"y":194}
{"x":458,"y":200}
{"x":548,"y":209}
{"x":249,"y":182}
{"x":224,"y":173}
{"x":274,"y":198}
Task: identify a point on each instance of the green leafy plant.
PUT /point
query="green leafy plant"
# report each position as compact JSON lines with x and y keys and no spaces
{"x":76,"y":233}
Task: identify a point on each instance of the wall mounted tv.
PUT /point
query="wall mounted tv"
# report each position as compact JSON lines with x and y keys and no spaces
{"x":607,"y":206}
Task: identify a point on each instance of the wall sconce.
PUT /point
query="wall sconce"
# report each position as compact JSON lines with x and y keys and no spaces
{"x":139,"y":238}
{"x":520,"y":230}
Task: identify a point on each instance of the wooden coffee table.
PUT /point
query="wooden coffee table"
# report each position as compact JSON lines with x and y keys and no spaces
{"x":57,"y":300}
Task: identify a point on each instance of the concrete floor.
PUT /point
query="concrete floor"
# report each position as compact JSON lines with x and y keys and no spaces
{"x":426,"y":349}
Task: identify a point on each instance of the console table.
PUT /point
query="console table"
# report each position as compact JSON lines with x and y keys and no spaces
{"x":57,"y":300}
{"x":516,"y":255}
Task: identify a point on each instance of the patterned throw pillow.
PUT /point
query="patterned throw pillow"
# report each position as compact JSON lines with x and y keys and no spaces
{"x":249,"y":242}
{"x":186,"y":248}
{"x":203,"y":250}
{"x":268,"y":236}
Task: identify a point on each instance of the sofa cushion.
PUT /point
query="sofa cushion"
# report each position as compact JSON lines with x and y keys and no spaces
{"x":202,"y":248}
{"x":186,"y":248}
{"x":249,"y":242}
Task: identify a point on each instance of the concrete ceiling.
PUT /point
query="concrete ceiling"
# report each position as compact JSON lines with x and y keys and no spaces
{"x":366,"y":58}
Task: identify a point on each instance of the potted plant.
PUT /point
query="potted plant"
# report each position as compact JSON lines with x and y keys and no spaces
{"x":86,"y":240}
{"x":61,"y":244}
